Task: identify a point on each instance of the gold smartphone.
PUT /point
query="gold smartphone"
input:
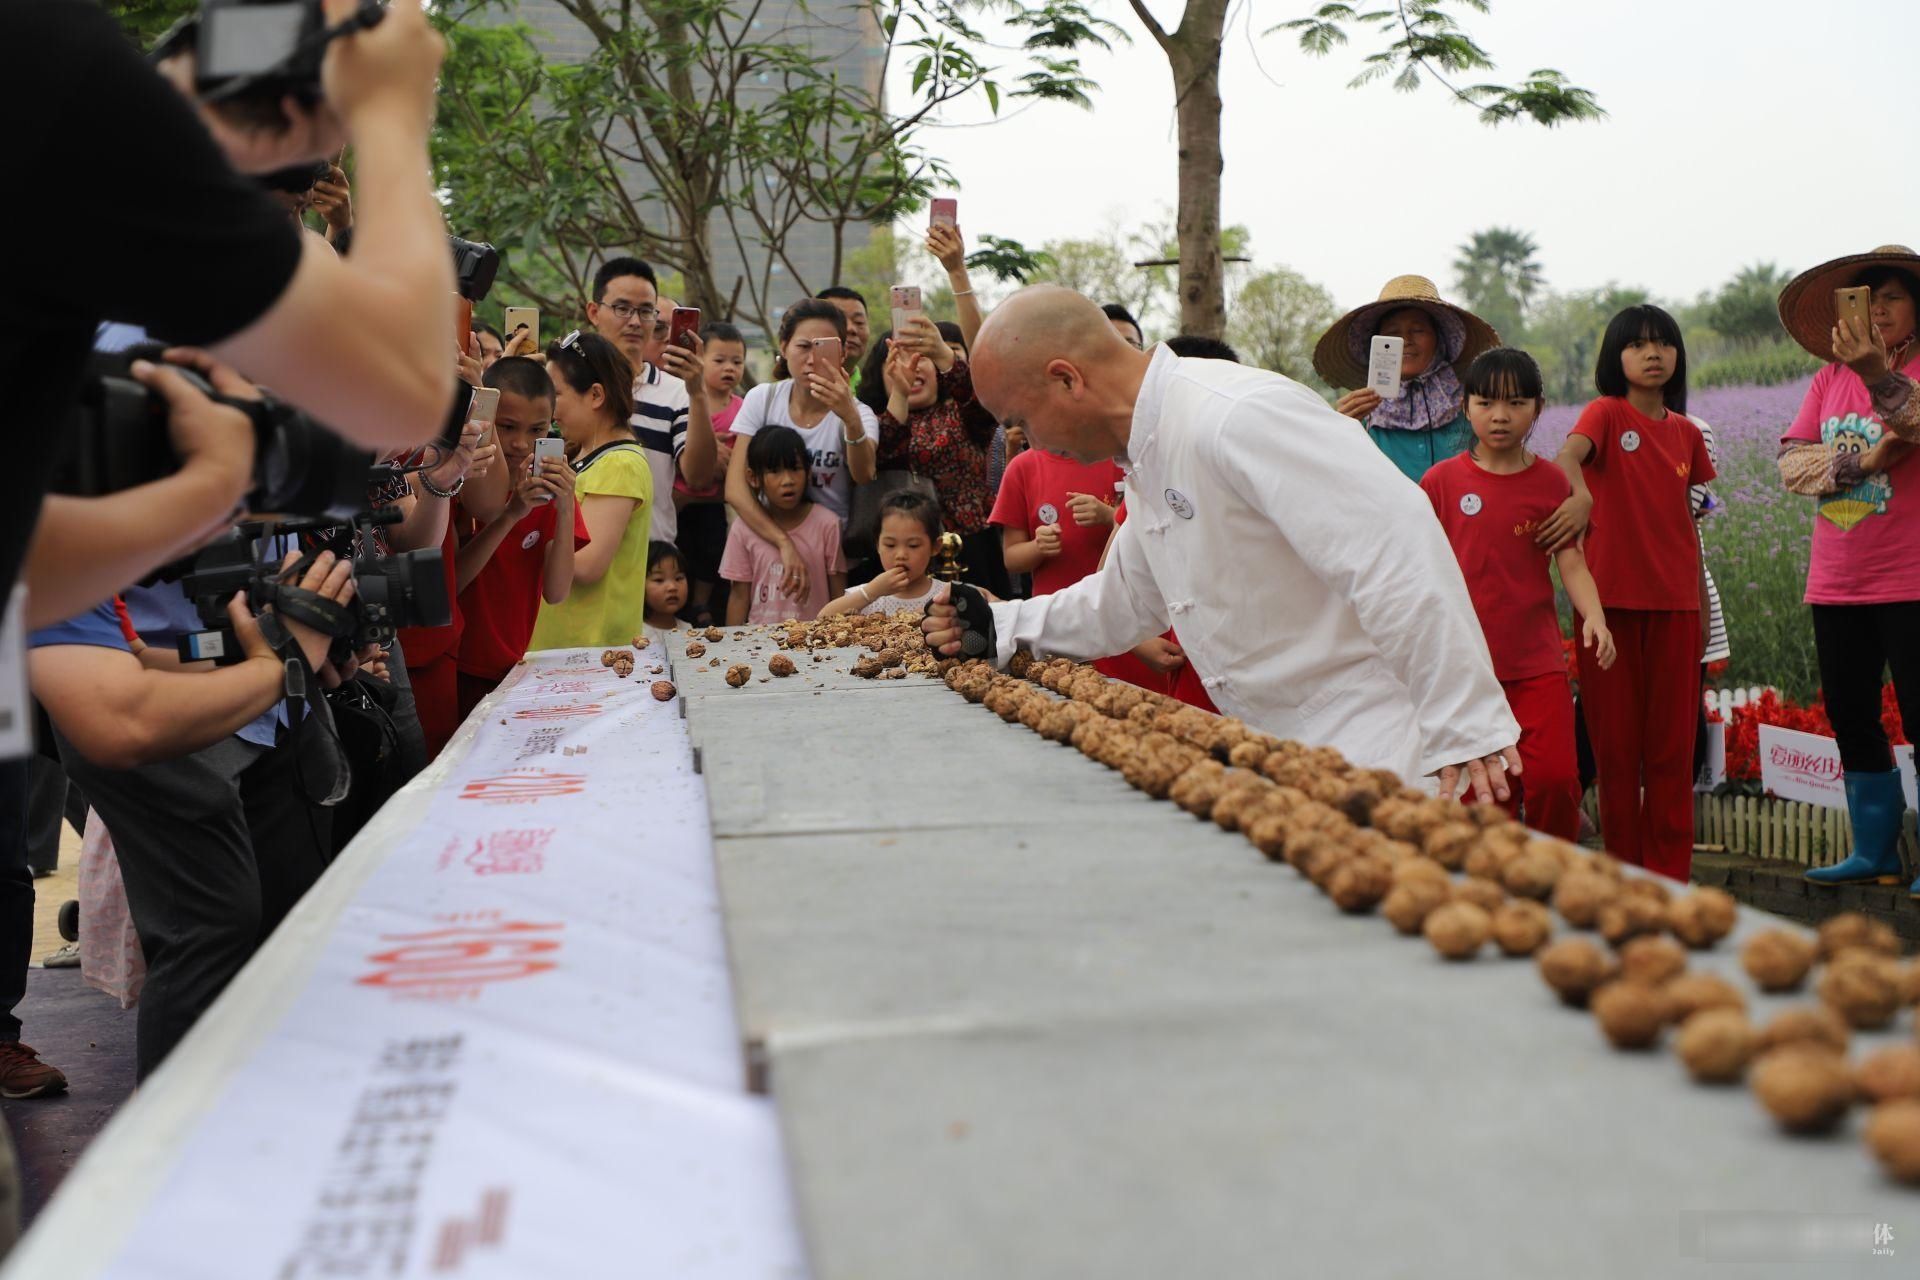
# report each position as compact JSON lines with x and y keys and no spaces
{"x":516,"y":317}
{"x":1855,"y":306}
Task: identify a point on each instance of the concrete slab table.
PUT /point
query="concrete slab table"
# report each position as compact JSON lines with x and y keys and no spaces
{"x":1021,"y":1020}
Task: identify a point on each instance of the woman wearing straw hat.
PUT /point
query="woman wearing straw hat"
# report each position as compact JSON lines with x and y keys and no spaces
{"x":1863,"y":581}
{"x":1428,"y":423}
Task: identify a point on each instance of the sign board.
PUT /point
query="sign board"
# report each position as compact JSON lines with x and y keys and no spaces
{"x":1806,"y":767}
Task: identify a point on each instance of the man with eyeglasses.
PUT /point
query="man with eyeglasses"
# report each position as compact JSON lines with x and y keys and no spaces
{"x":671,"y":417}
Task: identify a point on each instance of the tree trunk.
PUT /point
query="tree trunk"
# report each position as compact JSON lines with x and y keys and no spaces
{"x":1193,"y":52}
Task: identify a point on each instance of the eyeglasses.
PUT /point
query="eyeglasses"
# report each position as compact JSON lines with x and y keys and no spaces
{"x":644,"y":313}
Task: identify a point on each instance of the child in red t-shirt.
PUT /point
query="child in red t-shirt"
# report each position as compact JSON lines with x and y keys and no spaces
{"x":516,"y":560}
{"x":1491,"y":500}
{"x":1632,"y":456}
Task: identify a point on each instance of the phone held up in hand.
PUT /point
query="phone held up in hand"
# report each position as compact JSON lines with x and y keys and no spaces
{"x":1854,"y":306}
{"x":904,"y":302}
{"x":945,"y":213}
{"x":1383,"y":367}
{"x":517,"y":318}
{"x":484,"y":404}
{"x":548,"y":447}
{"x":684,"y":326}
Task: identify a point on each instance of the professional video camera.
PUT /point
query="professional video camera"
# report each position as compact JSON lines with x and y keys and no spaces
{"x":391,"y":591}
{"x":250,"y":55}
{"x":117,"y":438}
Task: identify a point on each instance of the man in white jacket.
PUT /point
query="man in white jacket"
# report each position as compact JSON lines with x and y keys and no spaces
{"x":1313,"y":590}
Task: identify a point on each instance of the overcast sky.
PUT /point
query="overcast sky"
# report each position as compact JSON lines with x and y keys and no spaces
{"x":1737,"y":132}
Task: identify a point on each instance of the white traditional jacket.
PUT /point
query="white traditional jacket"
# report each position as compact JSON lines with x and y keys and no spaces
{"x":1311,"y":586}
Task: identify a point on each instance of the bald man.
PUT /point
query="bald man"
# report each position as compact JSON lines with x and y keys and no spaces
{"x":1314,"y":591}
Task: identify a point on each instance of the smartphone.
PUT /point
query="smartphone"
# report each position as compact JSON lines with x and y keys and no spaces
{"x":548,"y":447}
{"x":684,"y":326}
{"x":518,"y":316}
{"x":1854,"y":305}
{"x":484,"y":404}
{"x":946,"y":213}
{"x":904,"y":301}
{"x":827,"y":350}
{"x":1383,"y":367}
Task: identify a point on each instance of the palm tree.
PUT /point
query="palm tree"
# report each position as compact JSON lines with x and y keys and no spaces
{"x":1498,"y":276}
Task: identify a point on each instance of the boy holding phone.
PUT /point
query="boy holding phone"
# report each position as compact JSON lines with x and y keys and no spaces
{"x":519,"y":558}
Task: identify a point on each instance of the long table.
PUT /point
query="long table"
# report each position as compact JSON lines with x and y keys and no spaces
{"x":1023,"y":1021}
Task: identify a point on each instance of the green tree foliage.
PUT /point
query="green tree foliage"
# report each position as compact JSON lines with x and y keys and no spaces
{"x":1276,"y":318}
{"x":1498,"y":276}
{"x":704,"y":136}
{"x":1564,"y":336}
{"x":1746,"y":308}
{"x":145,"y":21}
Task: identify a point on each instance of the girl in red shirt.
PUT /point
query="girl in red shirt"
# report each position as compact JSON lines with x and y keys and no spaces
{"x":1633,"y":455}
{"x":1492,"y":500}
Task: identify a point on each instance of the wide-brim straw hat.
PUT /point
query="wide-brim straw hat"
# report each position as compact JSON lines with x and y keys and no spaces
{"x":1341,"y":354}
{"x":1807,"y":310}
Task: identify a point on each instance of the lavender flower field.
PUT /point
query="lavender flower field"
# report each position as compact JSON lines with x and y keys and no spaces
{"x":1757,"y":537}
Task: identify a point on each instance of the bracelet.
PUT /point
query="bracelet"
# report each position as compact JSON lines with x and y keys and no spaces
{"x":864,"y":597}
{"x":850,"y":439}
{"x":962,"y":293}
{"x":427,"y":483}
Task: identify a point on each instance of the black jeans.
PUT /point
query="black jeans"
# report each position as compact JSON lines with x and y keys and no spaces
{"x":16,"y":894}
{"x":1855,"y":644}
{"x":214,"y":848}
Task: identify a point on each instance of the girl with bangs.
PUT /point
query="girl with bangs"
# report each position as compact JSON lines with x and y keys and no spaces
{"x":1492,"y":501}
{"x":1635,"y":455}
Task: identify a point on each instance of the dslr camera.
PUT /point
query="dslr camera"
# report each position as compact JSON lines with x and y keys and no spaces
{"x":251,"y":54}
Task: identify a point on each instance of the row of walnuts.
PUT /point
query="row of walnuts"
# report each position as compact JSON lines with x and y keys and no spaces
{"x":1464,"y":877}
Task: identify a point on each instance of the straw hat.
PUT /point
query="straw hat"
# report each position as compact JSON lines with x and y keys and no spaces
{"x":1806,"y":304}
{"x":1341,"y":355}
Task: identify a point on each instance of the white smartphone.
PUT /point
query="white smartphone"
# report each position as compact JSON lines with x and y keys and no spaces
{"x":548,"y":447}
{"x":1383,"y":367}
{"x":517,"y":316}
{"x":484,"y":404}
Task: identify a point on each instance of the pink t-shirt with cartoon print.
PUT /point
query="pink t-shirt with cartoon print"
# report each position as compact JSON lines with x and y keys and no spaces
{"x":1866,"y":539}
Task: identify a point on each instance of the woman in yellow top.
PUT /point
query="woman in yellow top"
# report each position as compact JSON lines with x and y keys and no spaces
{"x":593,"y":403}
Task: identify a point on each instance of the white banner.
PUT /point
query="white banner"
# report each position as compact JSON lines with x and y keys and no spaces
{"x":514,"y":1054}
{"x":1806,"y":767}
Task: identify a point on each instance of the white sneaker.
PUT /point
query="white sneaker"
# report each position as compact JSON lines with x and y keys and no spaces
{"x":67,"y":957}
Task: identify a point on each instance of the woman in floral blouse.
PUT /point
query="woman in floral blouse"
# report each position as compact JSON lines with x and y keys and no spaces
{"x":931,"y":424}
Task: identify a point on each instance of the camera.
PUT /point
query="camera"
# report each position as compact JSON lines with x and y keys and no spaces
{"x":391,"y":591}
{"x":474,"y":266}
{"x":254,"y":53}
{"x":117,"y":438}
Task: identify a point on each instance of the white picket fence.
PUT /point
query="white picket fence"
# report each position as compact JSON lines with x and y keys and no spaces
{"x":1725,"y":700}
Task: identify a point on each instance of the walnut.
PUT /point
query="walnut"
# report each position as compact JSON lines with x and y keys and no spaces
{"x":623,"y":669}
{"x":1702,"y":917}
{"x":1778,"y":960}
{"x":1532,"y":875}
{"x":1232,"y":809}
{"x":1580,"y":895}
{"x":1863,"y":987}
{"x":1399,"y":817}
{"x":1717,"y":1045}
{"x":1268,"y":833}
{"x":1521,"y":927}
{"x":1484,"y":894}
{"x":1360,"y":882}
{"x":781,"y":665}
{"x":1806,"y":1024}
{"x":1421,"y":867}
{"x":607,"y":658}
{"x":1851,"y":929}
{"x":695,"y":649}
{"x":1652,"y":959}
{"x":1629,"y":916}
{"x":1458,"y":930}
{"x":663,"y":690}
{"x":1806,"y":1088}
{"x":1646,"y":887}
{"x":1449,"y":843}
{"x":1631,"y":1014}
{"x":1689,"y":993}
{"x":1412,"y":901}
{"x":1893,"y":1135}
{"x":738,"y":674}
{"x":1893,"y":1072}
{"x":1248,"y":755}
{"x":1575,"y":968}
{"x":715,"y":635}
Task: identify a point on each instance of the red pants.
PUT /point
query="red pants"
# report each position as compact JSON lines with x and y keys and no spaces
{"x":436,"y":698}
{"x":1549,"y":783}
{"x":1641,"y":719}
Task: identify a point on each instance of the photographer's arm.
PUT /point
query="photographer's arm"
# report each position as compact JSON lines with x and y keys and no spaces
{"x":361,"y":342}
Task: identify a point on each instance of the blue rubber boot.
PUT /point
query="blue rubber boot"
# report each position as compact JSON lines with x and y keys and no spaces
{"x":1876,"y":804}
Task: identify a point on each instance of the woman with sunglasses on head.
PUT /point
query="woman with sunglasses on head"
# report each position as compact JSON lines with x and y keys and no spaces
{"x":811,"y":394}
{"x":613,"y":485}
